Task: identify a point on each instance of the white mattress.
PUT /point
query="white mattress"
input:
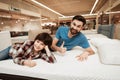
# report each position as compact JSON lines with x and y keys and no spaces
{"x":92,"y":34}
{"x":89,"y":32}
{"x":66,"y":68}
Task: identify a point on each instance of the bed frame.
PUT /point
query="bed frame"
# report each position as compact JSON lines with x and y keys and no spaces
{"x":17,"y":77}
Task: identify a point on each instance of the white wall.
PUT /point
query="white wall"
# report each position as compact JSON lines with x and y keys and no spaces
{"x":20,"y":26}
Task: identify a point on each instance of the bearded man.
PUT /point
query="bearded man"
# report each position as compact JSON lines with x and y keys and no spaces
{"x":68,"y":37}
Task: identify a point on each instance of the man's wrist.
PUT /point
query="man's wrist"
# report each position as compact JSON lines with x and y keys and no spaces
{"x":87,"y":52}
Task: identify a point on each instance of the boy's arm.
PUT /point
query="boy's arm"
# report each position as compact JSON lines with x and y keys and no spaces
{"x":17,"y":52}
{"x":50,"y":56}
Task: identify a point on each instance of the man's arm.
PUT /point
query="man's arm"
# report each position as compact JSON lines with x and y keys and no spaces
{"x":85,"y":54}
{"x":89,"y":50}
{"x":56,"y":48}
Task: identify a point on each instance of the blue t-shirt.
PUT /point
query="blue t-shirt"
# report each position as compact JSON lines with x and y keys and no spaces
{"x":69,"y":43}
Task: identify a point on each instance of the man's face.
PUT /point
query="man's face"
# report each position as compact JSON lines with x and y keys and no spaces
{"x":76,"y":27}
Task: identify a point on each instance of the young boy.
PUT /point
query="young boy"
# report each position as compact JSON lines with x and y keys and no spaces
{"x":23,"y":53}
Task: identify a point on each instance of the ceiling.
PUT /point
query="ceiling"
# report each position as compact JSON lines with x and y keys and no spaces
{"x":70,"y":7}
{"x":75,"y":7}
{"x":62,"y":7}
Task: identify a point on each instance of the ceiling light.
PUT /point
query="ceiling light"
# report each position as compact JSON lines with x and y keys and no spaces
{"x":46,"y":7}
{"x":94,"y":6}
{"x":112,"y":12}
{"x":45,"y":19}
{"x":82,"y":15}
{"x":2,"y":23}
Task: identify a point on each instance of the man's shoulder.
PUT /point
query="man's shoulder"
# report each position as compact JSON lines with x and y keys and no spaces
{"x":81,"y":35}
{"x":63,"y":27}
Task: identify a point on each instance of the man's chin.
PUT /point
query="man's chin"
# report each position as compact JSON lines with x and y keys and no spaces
{"x":74,"y":33}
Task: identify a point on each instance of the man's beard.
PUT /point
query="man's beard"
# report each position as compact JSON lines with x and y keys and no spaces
{"x":74,"y":31}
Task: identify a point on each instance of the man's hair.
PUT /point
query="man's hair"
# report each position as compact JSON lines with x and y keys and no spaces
{"x":45,"y":38}
{"x":79,"y":18}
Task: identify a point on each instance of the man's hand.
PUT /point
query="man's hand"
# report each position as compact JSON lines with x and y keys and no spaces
{"x":29,"y":63}
{"x":62,"y":49}
{"x":83,"y":56}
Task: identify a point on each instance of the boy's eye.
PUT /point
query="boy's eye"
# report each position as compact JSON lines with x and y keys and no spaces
{"x":37,"y":41}
{"x":40,"y":42}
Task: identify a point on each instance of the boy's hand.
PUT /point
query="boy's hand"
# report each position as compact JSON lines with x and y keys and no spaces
{"x":29,"y":63}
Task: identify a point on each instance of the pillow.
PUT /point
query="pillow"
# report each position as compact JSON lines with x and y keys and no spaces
{"x":5,"y":40}
{"x":109,"y":53}
{"x":99,"y":41}
{"x":93,"y":47}
{"x":89,"y":36}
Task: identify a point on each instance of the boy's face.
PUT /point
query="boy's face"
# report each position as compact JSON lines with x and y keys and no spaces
{"x":38,"y":45}
{"x":76,"y":27}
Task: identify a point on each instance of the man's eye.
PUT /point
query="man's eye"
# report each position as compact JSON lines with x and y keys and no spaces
{"x":79,"y":26}
{"x":74,"y":24}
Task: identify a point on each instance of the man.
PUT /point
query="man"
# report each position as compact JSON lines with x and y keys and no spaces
{"x":68,"y":37}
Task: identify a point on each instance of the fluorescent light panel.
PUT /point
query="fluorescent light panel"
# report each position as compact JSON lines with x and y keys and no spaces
{"x":92,"y":14}
{"x":112,"y":12}
{"x":46,"y":7}
{"x":82,"y":15}
{"x":73,"y":16}
{"x":94,"y":6}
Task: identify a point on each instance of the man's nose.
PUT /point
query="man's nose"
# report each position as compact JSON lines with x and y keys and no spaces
{"x":74,"y":27}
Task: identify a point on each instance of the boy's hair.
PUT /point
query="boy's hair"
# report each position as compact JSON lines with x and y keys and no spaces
{"x":79,"y":18}
{"x":45,"y":38}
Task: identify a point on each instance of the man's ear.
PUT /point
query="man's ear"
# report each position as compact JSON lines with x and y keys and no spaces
{"x":82,"y":27}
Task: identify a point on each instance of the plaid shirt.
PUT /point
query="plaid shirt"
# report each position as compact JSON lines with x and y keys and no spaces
{"x":23,"y":51}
